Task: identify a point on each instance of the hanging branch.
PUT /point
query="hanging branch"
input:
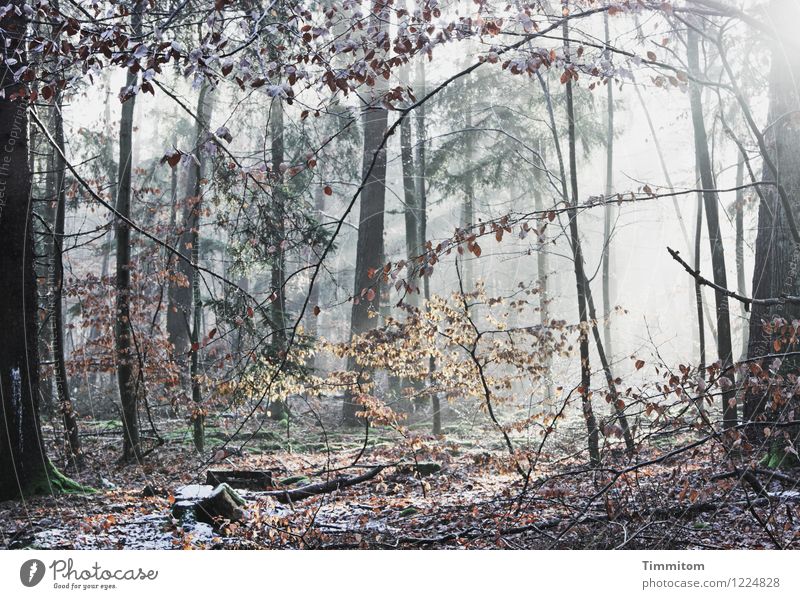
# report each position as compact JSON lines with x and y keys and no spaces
{"x":769,"y":301}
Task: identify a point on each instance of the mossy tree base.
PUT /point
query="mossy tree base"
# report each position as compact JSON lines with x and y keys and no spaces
{"x":53,"y":481}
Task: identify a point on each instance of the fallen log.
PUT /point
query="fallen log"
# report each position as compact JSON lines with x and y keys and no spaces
{"x":252,"y":480}
{"x":341,"y":482}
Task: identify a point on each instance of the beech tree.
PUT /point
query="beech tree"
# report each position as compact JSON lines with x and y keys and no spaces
{"x":777,"y":250}
{"x":125,"y":346}
{"x":370,"y":248}
{"x":23,"y":464}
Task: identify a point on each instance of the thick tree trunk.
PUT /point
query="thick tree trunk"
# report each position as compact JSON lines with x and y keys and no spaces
{"x":23,"y":463}
{"x":711,"y":204}
{"x":777,"y":256}
{"x":369,"y":249}
{"x":123,"y":331}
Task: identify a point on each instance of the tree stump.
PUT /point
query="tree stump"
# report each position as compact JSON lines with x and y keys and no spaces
{"x":208,"y":504}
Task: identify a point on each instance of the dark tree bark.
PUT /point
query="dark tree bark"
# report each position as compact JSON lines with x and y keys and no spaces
{"x":123,"y":332}
{"x":23,"y":463}
{"x":777,"y":255}
{"x":411,"y":221}
{"x":369,"y":249}
{"x":711,"y":205}
{"x":66,"y":407}
{"x":411,"y":209}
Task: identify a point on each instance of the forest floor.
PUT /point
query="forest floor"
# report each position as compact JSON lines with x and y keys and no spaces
{"x":683,"y":494}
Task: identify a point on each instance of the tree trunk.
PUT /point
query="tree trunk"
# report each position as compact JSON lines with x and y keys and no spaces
{"x":369,"y":249}
{"x":203,"y":118}
{"x":741,"y":286}
{"x":179,"y":292}
{"x":278,"y":269}
{"x":542,"y":274}
{"x":608,"y":212}
{"x":312,"y":320}
{"x":777,"y":256}
{"x":711,"y":204}
{"x":585,"y":299}
{"x":468,"y":210}
{"x":66,"y":407}
{"x":422,"y":199}
{"x":124,"y":346}
{"x":698,"y":288}
{"x":593,"y":432}
{"x":22,"y":458}
{"x":411,"y":209}
{"x":44,"y":235}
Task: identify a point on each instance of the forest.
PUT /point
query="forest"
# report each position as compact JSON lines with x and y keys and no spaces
{"x":399,"y":274}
